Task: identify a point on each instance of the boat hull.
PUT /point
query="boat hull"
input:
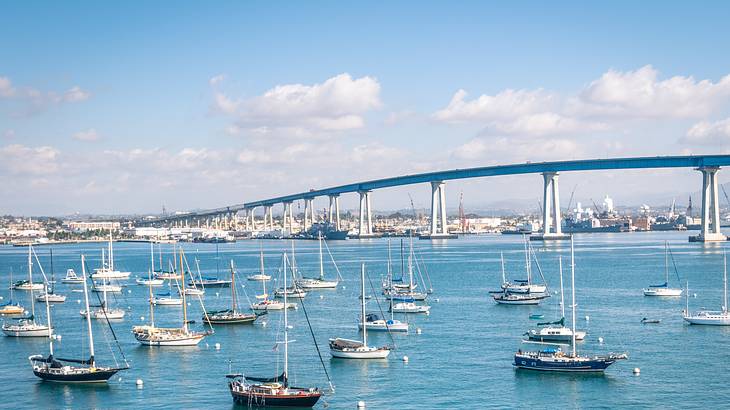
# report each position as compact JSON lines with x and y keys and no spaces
{"x":187,"y":341}
{"x":18,"y":332}
{"x":666,"y":292}
{"x":396,"y":327}
{"x":369,"y":354}
{"x":708,"y":321}
{"x":269,"y":400}
{"x":582,"y":366}
{"x":97,"y":376}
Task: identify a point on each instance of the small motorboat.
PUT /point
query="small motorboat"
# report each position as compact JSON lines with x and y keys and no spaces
{"x":51,"y":297}
{"x":519,"y":298}
{"x":27,"y":285}
{"x":291,"y":292}
{"x":71,"y":277}
{"x":373,"y":322}
{"x":537,"y":316}
{"x":258,"y":276}
{"x":156,"y":282}
{"x":166,"y":300}
{"x":650,"y":321}
{"x":409,"y":307}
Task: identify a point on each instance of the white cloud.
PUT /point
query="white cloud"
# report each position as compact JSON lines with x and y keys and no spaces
{"x":640,"y":93}
{"x":6,"y":87}
{"x":336,"y":104}
{"x":17,"y":159}
{"x":76,"y":94}
{"x":88,"y":135}
{"x":216,"y":79}
{"x":9,"y":134}
{"x":375,"y":152}
{"x":508,"y":104}
{"x":709,"y":133}
{"x":501,"y":150}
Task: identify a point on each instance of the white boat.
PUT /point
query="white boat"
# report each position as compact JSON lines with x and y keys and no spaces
{"x":355,"y":349}
{"x":71,"y":277}
{"x":28,"y":327}
{"x":664,"y":289}
{"x":193,"y":292}
{"x":150,"y":335}
{"x":103,"y":311}
{"x":291,"y":292}
{"x":51,"y":297}
{"x":710,"y":317}
{"x":373,"y":322}
{"x":519,"y":298}
{"x":409,"y":307}
{"x":150,"y":282}
{"x":106,"y":287}
{"x":107,"y":270}
{"x":556,"y":331}
{"x":258,"y":276}
{"x":26,"y":285}
{"x":166,"y":301}
{"x":404,"y":292}
{"x":318,"y":282}
{"x":268,"y":304}
{"x":524,"y":286}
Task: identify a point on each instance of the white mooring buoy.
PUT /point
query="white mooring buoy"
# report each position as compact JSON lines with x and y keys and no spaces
{"x":418,"y":330}
{"x":600,"y":340}
{"x":637,"y":371}
{"x":361,"y":404}
{"x":405,"y":359}
{"x":139,"y":383}
{"x":217,"y":346}
{"x":588,"y":318}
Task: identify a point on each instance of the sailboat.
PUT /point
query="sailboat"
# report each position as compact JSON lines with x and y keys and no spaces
{"x":230,"y":316}
{"x":56,"y":369}
{"x":405,"y":292}
{"x":664,"y":289}
{"x":27,"y":326}
{"x":209,"y":281}
{"x":150,"y":335}
{"x":261,"y":275}
{"x":293,"y":291}
{"x":355,"y":349}
{"x":373,"y":322}
{"x":71,"y":277}
{"x":265,"y":303}
{"x":166,"y":298}
{"x":103,"y":311}
{"x":273,"y":391}
{"x":710,"y":317}
{"x":51,"y":295}
{"x":194,"y":290}
{"x":149,"y":280}
{"x":11,"y":308}
{"x":523,"y":285}
{"x":319,"y":282}
{"x":107,"y":270}
{"x":553,"y":359}
{"x":556,"y":331}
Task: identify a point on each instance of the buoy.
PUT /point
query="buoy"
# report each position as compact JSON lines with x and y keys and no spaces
{"x":321,"y":296}
{"x":263,"y":324}
{"x":141,"y":318}
{"x":345,"y":287}
{"x":139,"y":383}
{"x":217,"y":346}
{"x":418,"y":331}
{"x":119,"y":379}
{"x":437,"y":300}
{"x":78,"y":301}
{"x":129,"y":290}
{"x":361,"y":404}
{"x":217,"y":294}
{"x":428,"y":313}
{"x":637,"y":371}
{"x":588,"y":318}
{"x":600,"y":340}
{"x":694,"y":295}
{"x":405,"y":359}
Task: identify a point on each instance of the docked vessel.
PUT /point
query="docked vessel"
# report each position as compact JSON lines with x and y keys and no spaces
{"x":27,"y":326}
{"x":318,"y":282}
{"x":230,"y":316}
{"x":11,"y":308}
{"x":553,"y":359}
{"x":107,"y":270}
{"x":664,"y":289}
{"x":524,"y":285}
{"x":355,"y":349}
{"x":507,"y":298}
{"x":71,"y":277}
{"x":711,"y":317}
{"x":50,"y":294}
{"x":56,"y":369}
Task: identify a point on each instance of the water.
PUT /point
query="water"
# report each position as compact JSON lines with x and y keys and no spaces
{"x":462,"y":359}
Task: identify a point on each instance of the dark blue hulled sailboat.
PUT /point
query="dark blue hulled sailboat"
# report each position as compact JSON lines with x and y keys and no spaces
{"x":553,"y":359}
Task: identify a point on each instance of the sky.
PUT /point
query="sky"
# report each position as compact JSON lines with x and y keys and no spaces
{"x":131,"y":106}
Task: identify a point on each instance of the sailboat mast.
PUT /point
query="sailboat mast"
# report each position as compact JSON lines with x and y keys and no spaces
{"x":362,"y":299}
{"x":410,"y":265}
{"x":724,"y":280}
{"x":53,"y":273}
{"x":321,"y":263}
{"x":48,"y":320}
{"x":182,"y":286}
{"x":261,"y":262}
{"x":527,"y":262}
{"x":152,"y":308}
{"x":572,"y":290}
{"x":88,"y":311}
{"x":233,"y":288}
{"x":562,"y":295}
{"x":286,"y":330}
{"x":30,"y":281}
{"x":501,"y":258}
{"x":666,"y":262}
{"x":111,"y":252}
{"x":152,"y":256}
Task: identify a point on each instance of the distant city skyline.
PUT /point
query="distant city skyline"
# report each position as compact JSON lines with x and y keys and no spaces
{"x":124,"y":108}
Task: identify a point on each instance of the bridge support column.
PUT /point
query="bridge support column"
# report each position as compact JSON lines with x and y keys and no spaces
{"x":366,"y":222}
{"x":334,"y":211}
{"x":710,"y":226}
{"x":287,"y":220}
{"x":308,"y":213}
{"x":551,"y":219}
{"x":438,"y":207}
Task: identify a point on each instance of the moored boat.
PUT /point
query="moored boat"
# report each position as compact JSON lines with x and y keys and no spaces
{"x":711,"y":317}
{"x":664,"y":289}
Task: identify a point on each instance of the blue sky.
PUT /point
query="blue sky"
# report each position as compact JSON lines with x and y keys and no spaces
{"x":125,"y":107}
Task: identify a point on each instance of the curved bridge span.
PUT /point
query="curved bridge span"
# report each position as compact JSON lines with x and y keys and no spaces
{"x":709,"y":165}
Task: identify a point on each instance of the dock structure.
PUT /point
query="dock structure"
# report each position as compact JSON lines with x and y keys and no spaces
{"x":708,"y":165}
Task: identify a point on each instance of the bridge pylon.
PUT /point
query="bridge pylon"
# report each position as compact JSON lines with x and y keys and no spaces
{"x":710,"y":226}
{"x":551,"y":219}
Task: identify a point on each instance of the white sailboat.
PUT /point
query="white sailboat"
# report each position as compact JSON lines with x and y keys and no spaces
{"x":405,"y":292}
{"x":28,"y":327}
{"x":107,"y":270}
{"x":663,"y":289}
{"x":261,"y":275}
{"x":266,"y":304}
{"x":556,"y":331}
{"x":710,"y":317}
{"x":11,"y":308}
{"x":319,"y":282}
{"x":50,"y":294}
{"x":103,"y":312}
{"x":355,"y":349}
{"x":523,"y":286}
{"x":373,"y":322}
{"x":151,"y":335}
{"x":293,"y":291}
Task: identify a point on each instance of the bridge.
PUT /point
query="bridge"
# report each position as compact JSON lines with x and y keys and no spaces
{"x":708,"y":165}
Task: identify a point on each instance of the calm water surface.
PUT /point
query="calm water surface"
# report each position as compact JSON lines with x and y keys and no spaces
{"x":462,"y":359}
